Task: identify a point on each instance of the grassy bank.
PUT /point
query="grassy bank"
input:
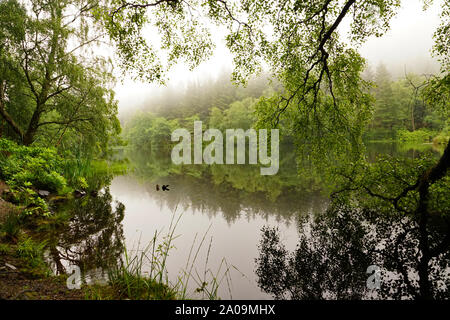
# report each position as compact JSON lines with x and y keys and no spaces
{"x":25,"y":273}
{"x":25,"y":241}
{"x":142,"y":274}
{"x":34,"y":181}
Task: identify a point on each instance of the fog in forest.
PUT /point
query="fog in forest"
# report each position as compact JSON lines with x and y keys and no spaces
{"x":406,"y":47}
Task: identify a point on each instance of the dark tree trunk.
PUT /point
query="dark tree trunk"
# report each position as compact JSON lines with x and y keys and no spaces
{"x":28,"y":137}
{"x":428,"y":178}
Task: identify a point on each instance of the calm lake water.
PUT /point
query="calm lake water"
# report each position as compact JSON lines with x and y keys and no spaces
{"x":225,"y":205}
{"x":234,"y":239}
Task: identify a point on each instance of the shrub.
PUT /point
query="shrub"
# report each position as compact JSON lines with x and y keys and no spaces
{"x":419,"y":136}
{"x":40,"y":167}
{"x":443,"y":137}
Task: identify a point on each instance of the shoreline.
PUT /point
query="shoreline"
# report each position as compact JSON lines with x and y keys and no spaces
{"x":19,"y":280}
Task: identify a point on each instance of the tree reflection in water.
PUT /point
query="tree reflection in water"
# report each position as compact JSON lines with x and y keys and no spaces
{"x":93,"y":238}
{"x":336,"y":248}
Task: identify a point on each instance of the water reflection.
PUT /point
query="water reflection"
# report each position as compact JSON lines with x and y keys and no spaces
{"x":230,"y":190}
{"x":210,"y":198}
{"x":336,"y":248}
{"x":407,"y":150}
{"x":93,"y":237}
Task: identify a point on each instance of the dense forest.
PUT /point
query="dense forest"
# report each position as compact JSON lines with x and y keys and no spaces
{"x":60,"y":139}
{"x":400,"y":112}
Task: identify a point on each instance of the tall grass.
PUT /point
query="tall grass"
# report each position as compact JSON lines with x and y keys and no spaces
{"x":208,"y":282}
{"x":86,"y":173}
{"x":144,"y":275}
{"x":10,"y":228}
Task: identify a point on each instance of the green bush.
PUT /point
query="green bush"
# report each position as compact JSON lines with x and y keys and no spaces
{"x":87,"y":174}
{"x":443,"y":137}
{"x":21,"y":166}
{"x":420,"y":136}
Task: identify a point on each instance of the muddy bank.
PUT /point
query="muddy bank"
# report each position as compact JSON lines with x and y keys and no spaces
{"x":18,"y":285}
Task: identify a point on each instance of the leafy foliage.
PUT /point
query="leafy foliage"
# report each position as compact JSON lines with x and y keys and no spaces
{"x":421,"y":135}
{"x":50,"y":92}
{"x":22,"y":166}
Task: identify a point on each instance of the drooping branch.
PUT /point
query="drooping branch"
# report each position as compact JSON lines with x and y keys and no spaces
{"x":126,"y":5}
{"x":336,"y":23}
{"x":401,"y":268}
{"x":422,"y":184}
{"x":231,"y":16}
{"x":441,"y":247}
{"x":319,"y":59}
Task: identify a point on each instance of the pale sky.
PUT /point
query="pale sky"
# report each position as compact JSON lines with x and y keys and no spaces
{"x":409,"y":41}
{"x":407,"y":45}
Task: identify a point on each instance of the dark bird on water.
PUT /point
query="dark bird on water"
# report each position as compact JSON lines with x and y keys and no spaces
{"x":157,"y":187}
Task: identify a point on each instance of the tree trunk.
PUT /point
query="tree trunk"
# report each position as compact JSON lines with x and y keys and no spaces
{"x":28,"y":137}
{"x":428,"y":178}
{"x":41,"y":99}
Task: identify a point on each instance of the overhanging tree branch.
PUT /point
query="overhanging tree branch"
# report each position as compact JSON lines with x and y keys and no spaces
{"x":319,"y":58}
